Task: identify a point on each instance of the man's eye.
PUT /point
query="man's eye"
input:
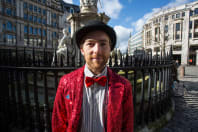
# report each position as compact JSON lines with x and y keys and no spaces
{"x":90,"y":44}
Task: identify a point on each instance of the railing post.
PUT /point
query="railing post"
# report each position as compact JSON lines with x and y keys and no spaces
{"x":142,"y":112}
{"x":37,"y":124}
{"x":46,"y":105}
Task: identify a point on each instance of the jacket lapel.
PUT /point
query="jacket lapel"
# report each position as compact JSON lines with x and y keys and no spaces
{"x":114,"y":112}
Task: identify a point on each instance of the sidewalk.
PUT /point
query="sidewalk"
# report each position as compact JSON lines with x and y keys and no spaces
{"x":185,"y":118}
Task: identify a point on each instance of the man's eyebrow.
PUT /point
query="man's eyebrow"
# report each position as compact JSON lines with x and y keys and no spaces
{"x":102,"y":40}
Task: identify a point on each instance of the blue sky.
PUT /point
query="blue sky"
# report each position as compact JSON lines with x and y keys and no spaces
{"x":128,"y":16}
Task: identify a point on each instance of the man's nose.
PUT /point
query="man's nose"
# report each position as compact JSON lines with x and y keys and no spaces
{"x":97,"y":47}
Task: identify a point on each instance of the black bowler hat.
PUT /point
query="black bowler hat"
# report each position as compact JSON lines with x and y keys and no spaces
{"x":94,"y":26}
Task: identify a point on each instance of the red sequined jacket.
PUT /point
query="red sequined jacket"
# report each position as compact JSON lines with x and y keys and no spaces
{"x":68,"y":103}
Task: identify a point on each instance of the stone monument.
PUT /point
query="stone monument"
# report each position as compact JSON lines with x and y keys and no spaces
{"x":88,"y":12}
{"x":66,"y":49}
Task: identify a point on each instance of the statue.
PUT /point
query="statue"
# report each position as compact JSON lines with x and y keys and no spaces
{"x":65,"y":48}
{"x":88,"y":4}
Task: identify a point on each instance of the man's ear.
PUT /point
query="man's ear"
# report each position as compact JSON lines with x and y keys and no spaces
{"x":82,"y":51}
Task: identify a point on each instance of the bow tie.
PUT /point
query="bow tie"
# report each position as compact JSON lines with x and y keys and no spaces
{"x":100,"y":80}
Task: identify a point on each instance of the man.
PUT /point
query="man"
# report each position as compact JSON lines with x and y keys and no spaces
{"x":93,"y":98}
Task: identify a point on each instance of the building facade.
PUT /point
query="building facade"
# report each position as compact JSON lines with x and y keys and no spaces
{"x":135,"y":43}
{"x":176,"y":27}
{"x":33,"y":23}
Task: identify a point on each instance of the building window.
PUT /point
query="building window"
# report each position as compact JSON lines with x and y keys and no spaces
{"x":25,"y":5}
{"x":25,"y":16}
{"x":166,"y":28}
{"x":39,"y":31}
{"x":9,"y":26}
{"x":71,"y":10}
{"x":183,"y":14}
{"x":35,"y":18}
{"x":157,"y":36}
{"x":30,"y":7}
{"x":39,"y":10}
{"x":44,"y":32}
{"x":173,"y":16}
{"x":25,"y":29}
{"x":35,"y":31}
{"x":9,"y":11}
{"x":191,"y":13}
{"x":35,"y":8}
{"x":177,"y":36}
{"x":44,"y":12}
{"x":44,"y":21}
{"x":166,"y":17}
{"x":177,"y":26}
{"x":9,"y":1}
{"x":177,"y":15}
{"x":30,"y":30}
{"x":44,"y":1}
{"x":39,"y":20}
{"x":195,"y":28}
{"x":30,"y":17}
{"x":196,"y":11}
{"x":54,"y":34}
{"x":190,"y":25}
{"x":190,"y":35}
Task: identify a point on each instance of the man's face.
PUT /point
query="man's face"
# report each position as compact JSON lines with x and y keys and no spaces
{"x":96,"y":50}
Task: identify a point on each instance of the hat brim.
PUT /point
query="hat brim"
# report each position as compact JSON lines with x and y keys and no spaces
{"x":82,"y":32}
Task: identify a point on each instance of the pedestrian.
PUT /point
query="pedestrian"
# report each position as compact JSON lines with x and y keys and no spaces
{"x":93,"y":98}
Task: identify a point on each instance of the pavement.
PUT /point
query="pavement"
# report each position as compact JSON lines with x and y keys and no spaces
{"x":185,"y":118}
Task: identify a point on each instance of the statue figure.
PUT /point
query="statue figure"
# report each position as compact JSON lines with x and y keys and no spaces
{"x":88,"y":3}
{"x":65,"y":48}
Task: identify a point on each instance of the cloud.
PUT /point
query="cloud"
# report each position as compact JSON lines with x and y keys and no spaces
{"x":123,"y":34}
{"x":111,"y":7}
{"x":137,"y":25}
{"x":68,"y":1}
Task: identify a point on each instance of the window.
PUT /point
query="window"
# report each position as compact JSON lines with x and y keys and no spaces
{"x":30,"y":7}
{"x":35,"y":18}
{"x":177,"y":26}
{"x":190,"y":24}
{"x":196,"y":11}
{"x":30,"y":30}
{"x":173,"y":16}
{"x":35,"y":31}
{"x":44,"y":1}
{"x":166,"y":17}
{"x":25,"y":29}
{"x":9,"y":1}
{"x":44,"y":32}
{"x":54,"y":34}
{"x":39,"y":10}
{"x":191,"y":13}
{"x":196,"y":29}
{"x":190,"y":35}
{"x":30,"y":17}
{"x":8,"y":11}
{"x":25,"y":5}
{"x":177,"y":15}
{"x":71,"y":10}
{"x":44,"y":12}
{"x":39,"y":31}
{"x":44,"y":21}
{"x":25,"y":16}
{"x":9,"y":26}
{"x":177,"y":36}
{"x":39,"y":20}
{"x":35,"y":8}
{"x":14,"y":28}
{"x":166,"y":28}
{"x":183,"y":14}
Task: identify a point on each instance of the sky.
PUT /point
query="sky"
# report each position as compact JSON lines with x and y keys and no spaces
{"x":128,"y":16}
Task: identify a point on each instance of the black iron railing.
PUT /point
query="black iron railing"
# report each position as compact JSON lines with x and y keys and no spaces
{"x":28,"y":87}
